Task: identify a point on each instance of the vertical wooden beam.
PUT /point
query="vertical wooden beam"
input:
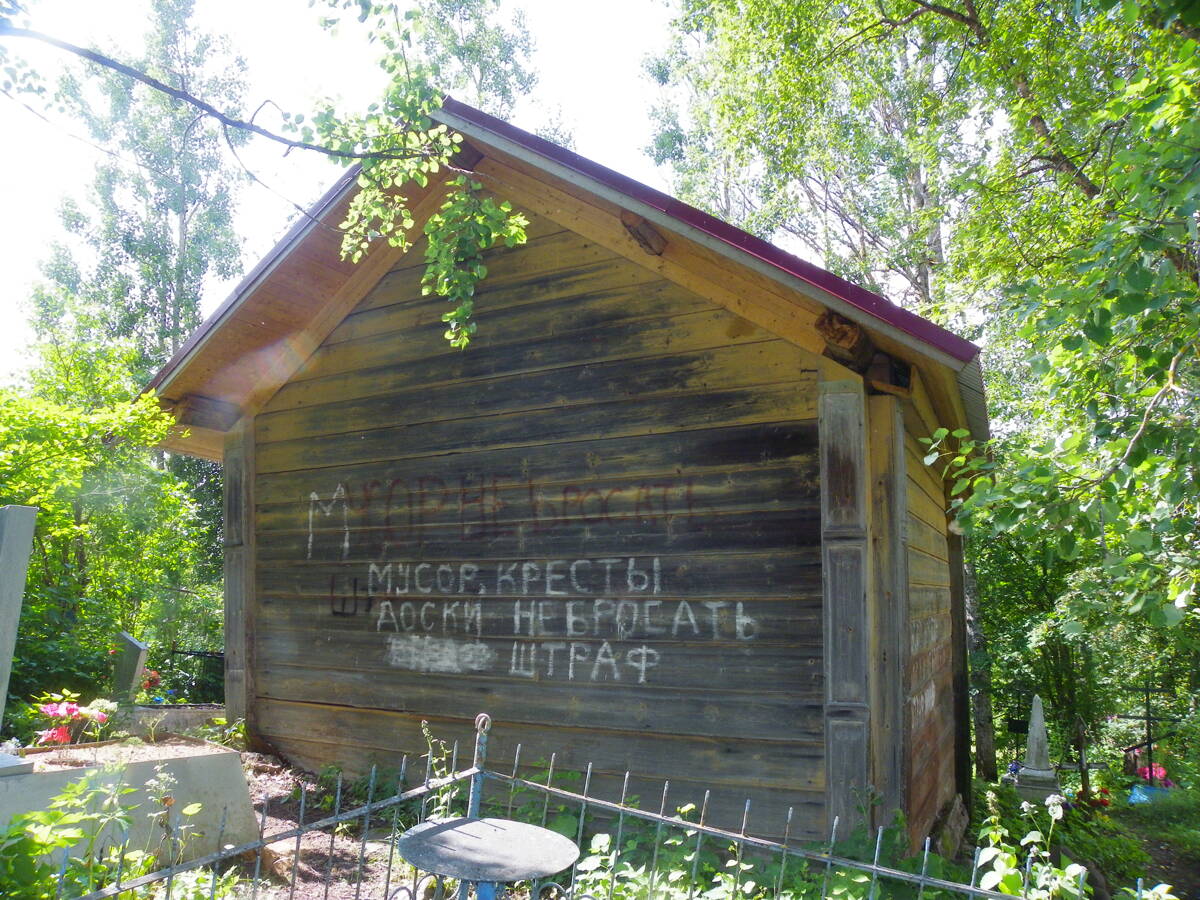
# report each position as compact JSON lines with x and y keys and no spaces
{"x":888,"y":604}
{"x":845,"y":582}
{"x":961,"y":683}
{"x":239,"y":571}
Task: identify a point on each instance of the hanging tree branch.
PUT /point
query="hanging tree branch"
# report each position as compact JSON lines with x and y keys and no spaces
{"x":7,"y":29}
{"x":396,"y":145}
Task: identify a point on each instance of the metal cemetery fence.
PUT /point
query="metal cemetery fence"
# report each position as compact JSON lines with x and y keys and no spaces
{"x":315,"y":858}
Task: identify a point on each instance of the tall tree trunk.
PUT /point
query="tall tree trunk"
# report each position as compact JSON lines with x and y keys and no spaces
{"x":981,"y":681}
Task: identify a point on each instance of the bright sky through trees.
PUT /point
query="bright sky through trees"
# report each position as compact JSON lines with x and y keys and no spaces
{"x":588,"y":58}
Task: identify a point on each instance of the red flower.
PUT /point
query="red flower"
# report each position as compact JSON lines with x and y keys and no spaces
{"x":59,"y":735}
{"x":153,"y":679}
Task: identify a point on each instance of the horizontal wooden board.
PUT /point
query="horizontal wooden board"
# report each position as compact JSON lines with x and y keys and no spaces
{"x":654,"y":618}
{"x":362,"y":381}
{"x":928,"y":666}
{"x":652,"y":710}
{"x":542,"y":427}
{"x":928,"y":539}
{"x":506,"y":328}
{"x":928,"y":511}
{"x":688,"y":328}
{"x":500,"y":503}
{"x":725,"y":808}
{"x":599,"y":292}
{"x":928,"y":477}
{"x":542,"y":256}
{"x":714,"y":576}
{"x":924,"y":569}
{"x":928,"y":601}
{"x":760,"y":531}
{"x":767,"y":363}
{"x":719,"y":760}
{"x":730,"y":450}
{"x":649,"y":710}
{"x":589,"y":666}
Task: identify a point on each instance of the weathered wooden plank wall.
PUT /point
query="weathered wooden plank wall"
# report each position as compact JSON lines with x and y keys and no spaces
{"x":931,"y":780}
{"x":600,"y":524}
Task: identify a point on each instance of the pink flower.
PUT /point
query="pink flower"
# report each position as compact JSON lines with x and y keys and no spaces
{"x":1160,"y":773}
{"x":63,"y":710}
{"x":59,"y":735}
{"x":100,"y":717}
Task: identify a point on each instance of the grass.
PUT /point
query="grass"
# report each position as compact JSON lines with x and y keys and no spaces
{"x":1173,"y":818}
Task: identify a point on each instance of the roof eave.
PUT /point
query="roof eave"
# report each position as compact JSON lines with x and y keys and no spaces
{"x":161,"y":382}
{"x":847,"y":299}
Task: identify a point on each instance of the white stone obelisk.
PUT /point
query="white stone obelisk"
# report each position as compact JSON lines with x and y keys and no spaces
{"x":1037,"y":779}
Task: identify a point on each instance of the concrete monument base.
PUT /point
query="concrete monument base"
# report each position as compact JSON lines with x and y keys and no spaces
{"x":1035,"y":785}
{"x":14,"y":765}
{"x":212,"y":778}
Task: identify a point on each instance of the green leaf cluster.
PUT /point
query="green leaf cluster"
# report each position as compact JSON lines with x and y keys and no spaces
{"x":399,"y":146}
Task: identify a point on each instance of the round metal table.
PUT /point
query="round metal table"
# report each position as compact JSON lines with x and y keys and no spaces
{"x":486,"y":852}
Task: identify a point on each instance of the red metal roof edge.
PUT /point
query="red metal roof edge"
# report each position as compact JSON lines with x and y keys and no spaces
{"x":859,"y":297}
{"x":276,"y":253}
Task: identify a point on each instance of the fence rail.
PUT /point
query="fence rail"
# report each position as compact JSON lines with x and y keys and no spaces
{"x":369,"y":867}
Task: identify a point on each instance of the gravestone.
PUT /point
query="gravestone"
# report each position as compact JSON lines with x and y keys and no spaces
{"x":131,"y":662}
{"x":1037,"y":779}
{"x":16,"y":540}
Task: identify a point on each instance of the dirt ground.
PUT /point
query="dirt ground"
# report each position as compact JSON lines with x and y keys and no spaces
{"x":328,"y":855}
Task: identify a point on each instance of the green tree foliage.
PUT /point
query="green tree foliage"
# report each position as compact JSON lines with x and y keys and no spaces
{"x":1084,"y":670}
{"x":158,"y":220}
{"x":397,"y":144}
{"x":157,"y":225}
{"x":852,"y":154}
{"x":116,"y":533}
{"x":1057,"y":149}
{"x":473,"y":55}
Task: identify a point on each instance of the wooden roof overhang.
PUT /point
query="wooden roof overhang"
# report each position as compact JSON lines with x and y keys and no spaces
{"x":288,"y":304}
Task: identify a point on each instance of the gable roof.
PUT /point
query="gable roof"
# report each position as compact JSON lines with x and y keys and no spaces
{"x":279,"y":313}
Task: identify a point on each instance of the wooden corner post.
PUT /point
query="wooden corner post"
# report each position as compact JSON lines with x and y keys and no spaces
{"x":845,"y":582}
{"x":959,"y":669}
{"x":238,"y":470}
{"x":887,"y":606}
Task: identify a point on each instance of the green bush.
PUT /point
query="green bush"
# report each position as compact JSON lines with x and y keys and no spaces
{"x":1083,"y":834}
{"x":74,"y":826}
